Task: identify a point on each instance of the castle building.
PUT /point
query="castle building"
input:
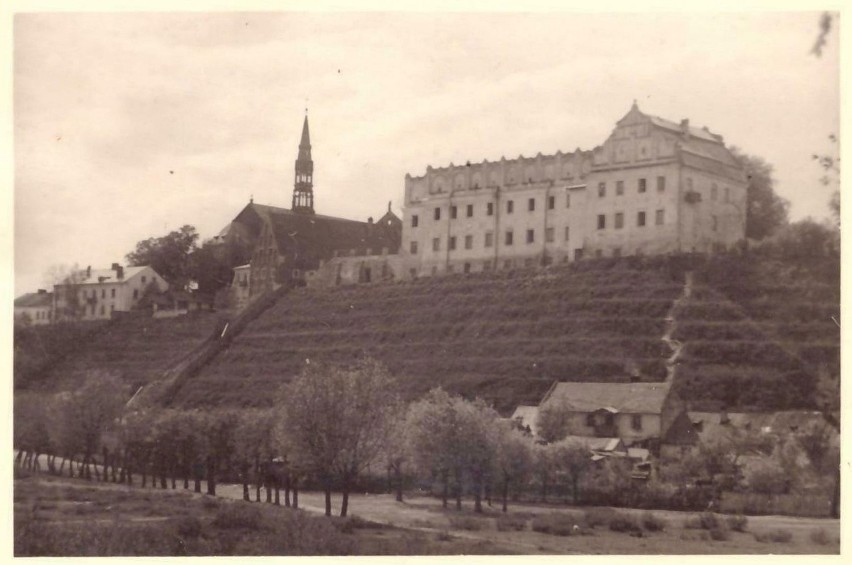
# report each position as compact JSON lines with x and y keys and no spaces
{"x":653,"y":187}
{"x":289,"y":246}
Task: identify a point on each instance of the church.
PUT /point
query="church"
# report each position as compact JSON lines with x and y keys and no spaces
{"x":654,"y":186}
{"x":288,"y":246}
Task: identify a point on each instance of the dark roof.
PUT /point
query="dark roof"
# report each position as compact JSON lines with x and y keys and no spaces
{"x":635,"y":398}
{"x":681,"y":431}
{"x":34,"y":300}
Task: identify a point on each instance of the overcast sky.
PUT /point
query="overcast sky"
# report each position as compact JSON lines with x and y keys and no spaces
{"x":128,"y":126}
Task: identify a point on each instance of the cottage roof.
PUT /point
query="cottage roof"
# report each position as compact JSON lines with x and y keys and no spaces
{"x":34,"y":300}
{"x":631,"y":398}
{"x":107,"y":276}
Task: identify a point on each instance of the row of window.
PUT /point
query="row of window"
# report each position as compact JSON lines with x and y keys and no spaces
{"x":489,"y":209}
{"x":508,"y":239}
{"x":714,"y":191}
{"x":641,"y":188}
{"x":659,"y":219}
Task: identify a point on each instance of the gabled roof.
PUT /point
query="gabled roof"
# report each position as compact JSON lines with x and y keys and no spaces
{"x":34,"y":300}
{"x":630,"y":398}
{"x":107,"y":276}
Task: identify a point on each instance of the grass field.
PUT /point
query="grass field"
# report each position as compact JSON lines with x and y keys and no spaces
{"x":71,"y":517}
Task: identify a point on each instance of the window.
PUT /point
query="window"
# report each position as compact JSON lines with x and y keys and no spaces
{"x":468,"y":242}
{"x":530,"y":236}
{"x":510,"y":207}
{"x":715,"y":223}
{"x":531,"y":204}
{"x":551,"y":202}
{"x":489,"y":239}
{"x":619,"y":220}
{"x":619,"y":187}
{"x":567,"y":233}
{"x":414,"y":248}
{"x":452,"y":243}
{"x":714,"y":192}
{"x":640,"y":219}
{"x":112,"y":293}
{"x":661,"y":184}
{"x":470,"y":210}
{"x":642,"y":186}
{"x":111,"y":309}
{"x":143,"y":279}
{"x":601,"y":221}
{"x":454,"y":211}
{"x":601,"y":189}
{"x":548,"y":235}
{"x":509,"y":237}
{"x":135,"y":295}
{"x":467,"y":267}
{"x":437,"y":214}
{"x":567,"y":200}
{"x":660,"y":219}
{"x":436,"y":244}
{"x":414,"y":221}
{"x":490,"y":209}
{"x":636,"y":422}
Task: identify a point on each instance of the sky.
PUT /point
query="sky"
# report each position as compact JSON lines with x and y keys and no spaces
{"x":127,"y":126}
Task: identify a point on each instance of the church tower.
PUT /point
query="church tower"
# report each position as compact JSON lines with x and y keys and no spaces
{"x":303,"y":189}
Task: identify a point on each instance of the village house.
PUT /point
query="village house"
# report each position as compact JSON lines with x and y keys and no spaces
{"x":34,"y":308}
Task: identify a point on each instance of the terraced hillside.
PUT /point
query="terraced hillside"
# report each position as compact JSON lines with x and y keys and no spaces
{"x":758,"y":332}
{"x":137,"y":349}
{"x":503,"y":336}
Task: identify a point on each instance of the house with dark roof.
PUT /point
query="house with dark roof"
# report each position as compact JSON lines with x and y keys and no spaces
{"x":639,"y":414}
{"x":34,"y":308}
{"x":288,"y":246}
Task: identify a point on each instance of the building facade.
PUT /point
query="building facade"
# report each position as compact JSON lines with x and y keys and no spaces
{"x":654,"y":186}
{"x":94,"y":294}
{"x":35,"y":308}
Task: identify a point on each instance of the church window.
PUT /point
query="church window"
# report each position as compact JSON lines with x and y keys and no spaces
{"x":452,"y":243}
{"x":470,"y":210}
{"x":436,"y":244}
{"x":489,"y":239}
{"x":510,"y":206}
{"x":453,"y":212}
{"x":642,"y":185}
{"x":531,"y":204}
{"x":548,"y":235}
{"x":660,"y":218}
{"x":619,"y":220}
{"x":468,"y":242}
{"x":509,"y":237}
{"x":551,"y":202}
{"x":601,"y":189}
{"x":619,"y":187}
{"x":414,"y":248}
{"x":490,"y":209}
{"x":640,"y":219}
{"x":601,"y":221}
{"x":437,"y":214}
{"x":530,"y":236}
{"x":414,"y":221}
{"x":661,"y":184}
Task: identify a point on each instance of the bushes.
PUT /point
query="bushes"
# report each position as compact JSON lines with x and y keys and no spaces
{"x":774,"y":536}
{"x":595,"y":517}
{"x":624,"y":523}
{"x":736,"y":522}
{"x":511,"y":522}
{"x":703,"y":521}
{"x":819,"y":536}
{"x":557,"y":524}
{"x":466,"y":523}
{"x":238,"y":515}
{"x":653,"y":523}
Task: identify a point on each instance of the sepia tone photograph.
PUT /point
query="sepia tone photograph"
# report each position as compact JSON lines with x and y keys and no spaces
{"x":306,"y":282}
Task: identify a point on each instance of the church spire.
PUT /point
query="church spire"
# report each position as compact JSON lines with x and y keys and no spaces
{"x":303,"y":189}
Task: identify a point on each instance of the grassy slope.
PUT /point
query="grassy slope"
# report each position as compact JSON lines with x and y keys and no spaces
{"x":502,"y":336}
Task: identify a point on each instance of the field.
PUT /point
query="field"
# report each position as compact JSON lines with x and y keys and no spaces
{"x":63,"y":516}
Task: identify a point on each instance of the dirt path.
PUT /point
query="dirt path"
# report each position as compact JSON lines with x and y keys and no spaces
{"x":671,"y":326}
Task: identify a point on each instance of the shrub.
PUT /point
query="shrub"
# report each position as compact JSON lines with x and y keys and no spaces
{"x":653,"y":523}
{"x":621,"y":522}
{"x":555,"y":524}
{"x":511,"y":522}
{"x":774,"y":536}
{"x":237,"y":516}
{"x":598,"y":516}
{"x":736,"y":522}
{"x":720,"y":533}
{"x":210,"y":504}
{"x":466,"y":523}
{"x":703,"y":521}
{"x":444,"y":536}
{"x":819,"y":536}
{"x":189,"y":527}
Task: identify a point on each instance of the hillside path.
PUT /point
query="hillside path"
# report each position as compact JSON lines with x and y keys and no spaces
{"x":671,"y":325}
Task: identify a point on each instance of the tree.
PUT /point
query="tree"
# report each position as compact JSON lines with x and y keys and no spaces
{"x":553,"y":422}
{"x":513,"y":460}
{"x":70,"y":305}
{"x":169,"y":255}
{"x":765,"y":210}
{"x":339,"y":420}
{"x":432,"y":421}
{"x":211,"y":266}
{"x":573,"y":460}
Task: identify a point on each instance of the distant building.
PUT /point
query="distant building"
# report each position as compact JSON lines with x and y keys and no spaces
{"x":240,"y":286}
{"x":289,"y":246}
{"x":654,"y":186}
{"x":94,"y":294}
{"x":35,"y":308}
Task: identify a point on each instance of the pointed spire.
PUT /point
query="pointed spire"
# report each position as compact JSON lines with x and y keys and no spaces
{"x":306,"y":136}
{"x":303,"y":193}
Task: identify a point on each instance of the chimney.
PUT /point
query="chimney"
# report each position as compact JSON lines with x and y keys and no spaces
{"x":684,"y":127}
{"x":88,"y":271}
{"x":370,"y":220}
{"x":114,"y":267}
{"x":119,"y":272}
{"x":42,"y":291}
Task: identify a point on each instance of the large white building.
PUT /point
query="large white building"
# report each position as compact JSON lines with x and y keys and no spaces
{"x":654,"y":186}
